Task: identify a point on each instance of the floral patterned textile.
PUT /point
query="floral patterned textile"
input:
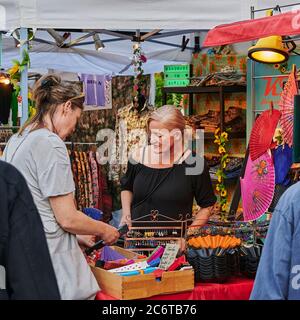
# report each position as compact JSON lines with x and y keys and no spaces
{"x":81,"y":203}
{"x":89,"y":177}
{"x":134,"y":134}
{"x":92,"y":121}
{"x":95,"y":181}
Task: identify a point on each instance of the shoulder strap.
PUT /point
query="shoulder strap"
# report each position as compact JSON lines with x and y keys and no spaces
{"x":143,"y":156}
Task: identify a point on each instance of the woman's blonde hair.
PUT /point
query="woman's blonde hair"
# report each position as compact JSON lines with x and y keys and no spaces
{"x":169,"y":116}
{"x":48,"y":92}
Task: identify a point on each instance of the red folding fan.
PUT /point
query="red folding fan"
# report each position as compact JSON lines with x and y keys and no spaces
{"x":262,"y":132}
{"x":286,"y":106}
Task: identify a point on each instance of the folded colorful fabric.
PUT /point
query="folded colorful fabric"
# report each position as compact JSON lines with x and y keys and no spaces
{"x":93,"y":213}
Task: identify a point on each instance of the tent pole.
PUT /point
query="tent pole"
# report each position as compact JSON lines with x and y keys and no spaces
{"x":24,"y":75}
{"x":251,"y":113}
{"x":0,"y":50}
{"x":152,"y":90}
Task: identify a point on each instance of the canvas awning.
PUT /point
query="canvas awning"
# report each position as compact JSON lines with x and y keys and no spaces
{"x":282,"y":24}
{"x":120,"y":14}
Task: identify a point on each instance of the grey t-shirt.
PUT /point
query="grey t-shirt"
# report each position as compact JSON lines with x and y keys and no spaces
{"x":41,"y":156}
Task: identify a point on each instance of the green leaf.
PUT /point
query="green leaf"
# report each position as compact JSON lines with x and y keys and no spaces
{"x":219,"y":172}
{"x":224,"y":157}
{"x":26,"y":58}
{"x":18,"y":89}
{"x":14,"y":61}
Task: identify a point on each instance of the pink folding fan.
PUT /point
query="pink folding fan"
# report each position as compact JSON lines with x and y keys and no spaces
{"x":257,"y":187}
{"x":286,"y":106}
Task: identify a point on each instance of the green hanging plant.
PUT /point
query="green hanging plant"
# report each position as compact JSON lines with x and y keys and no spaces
{"x":159,"y":84}
{"x":17,"y":68}
{"x":221,"y":139}
{"x":15,"y":77}
{"x":172,"y":99}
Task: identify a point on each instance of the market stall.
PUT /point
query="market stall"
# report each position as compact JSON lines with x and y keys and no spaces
{"x":212,"y":89}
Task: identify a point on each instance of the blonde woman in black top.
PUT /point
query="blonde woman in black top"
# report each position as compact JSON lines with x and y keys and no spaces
{"x":165,"y":176}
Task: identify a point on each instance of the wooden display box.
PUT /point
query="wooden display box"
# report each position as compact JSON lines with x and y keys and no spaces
{"x":142,"y":286}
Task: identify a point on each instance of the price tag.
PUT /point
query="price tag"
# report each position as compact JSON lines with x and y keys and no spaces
{"x":169,"y":256}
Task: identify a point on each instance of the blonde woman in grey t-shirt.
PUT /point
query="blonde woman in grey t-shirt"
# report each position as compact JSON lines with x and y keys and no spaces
{"x":39,"y":152}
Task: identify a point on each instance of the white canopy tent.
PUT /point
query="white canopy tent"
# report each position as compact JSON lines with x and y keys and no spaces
{"x":115,"y":58}
{"x":106,"y":16}
{"x":129,"y":14}
{"x":151,"y":20}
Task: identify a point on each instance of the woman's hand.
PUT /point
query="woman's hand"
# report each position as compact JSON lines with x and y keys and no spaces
{"x":86,"y":241}
{"x":126,"y":199}
{"x":202,"y":217}
{"x":77,"y":222}
{"x":182,"y":244}
{"x":126,"y":219}
{"x":109,"y":234}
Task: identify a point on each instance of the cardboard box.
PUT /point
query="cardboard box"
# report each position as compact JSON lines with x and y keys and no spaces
{"x":142,"y":286}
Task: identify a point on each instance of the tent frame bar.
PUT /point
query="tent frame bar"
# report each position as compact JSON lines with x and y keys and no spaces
{"x":283,"y":6}
{"x":137,"y":36}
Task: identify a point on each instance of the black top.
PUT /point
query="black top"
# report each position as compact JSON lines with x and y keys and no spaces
{"x":175,"y":194}
{"x":5,"y":98}
{"x":24,"y":251}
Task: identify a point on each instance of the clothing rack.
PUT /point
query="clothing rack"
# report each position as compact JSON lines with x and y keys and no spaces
{"x":67,"y":143}
{"x":81,"y":143}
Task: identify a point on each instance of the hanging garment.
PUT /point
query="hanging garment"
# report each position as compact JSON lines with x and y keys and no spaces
{"x":81,"y":198}
{"x":101,"y":186}
{"x":105,"y":198}
{"x":130,"y":132}
{"x":23,"y":247}
{"x":96,"y":89}
{"x":283,"y":159}
{"x":75,"y":175}
{"x":85,"y":180}
{"x":95,"y":181}
{"x":5,"y":101}
{"x":89,"y":178}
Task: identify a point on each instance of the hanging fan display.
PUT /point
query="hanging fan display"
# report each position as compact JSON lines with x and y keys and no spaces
{"x":257,"y":187}
{"x":286,"y":106}
{"x":263,"y":131}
